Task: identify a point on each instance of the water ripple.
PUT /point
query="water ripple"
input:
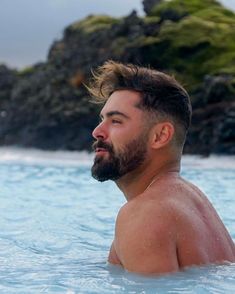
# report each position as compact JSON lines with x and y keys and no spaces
{"x":57,"y":224}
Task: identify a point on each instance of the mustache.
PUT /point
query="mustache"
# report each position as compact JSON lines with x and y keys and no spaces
{"x":101,"y":144}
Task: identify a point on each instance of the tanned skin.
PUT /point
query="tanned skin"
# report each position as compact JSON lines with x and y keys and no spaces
{"x":167,"y":223}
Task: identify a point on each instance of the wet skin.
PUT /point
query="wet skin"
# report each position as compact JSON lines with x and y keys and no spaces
{"x":170,"y":224}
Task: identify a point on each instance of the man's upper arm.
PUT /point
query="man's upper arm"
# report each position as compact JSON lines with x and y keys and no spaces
{"x":147,"y":248}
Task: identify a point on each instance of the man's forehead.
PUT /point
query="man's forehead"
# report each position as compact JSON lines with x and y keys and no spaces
{"x":123,"y":101}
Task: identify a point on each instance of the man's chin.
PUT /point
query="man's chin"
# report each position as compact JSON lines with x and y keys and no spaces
{"x":98,"y":174}
{"x":104,"y":171}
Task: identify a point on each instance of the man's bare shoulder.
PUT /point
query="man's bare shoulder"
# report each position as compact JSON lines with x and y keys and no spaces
{"x":174,"y":224}
{"x":146,"y":231}
{"x":143,"y":241}
{"x":161,"y":205}
{"x":166,"y":199}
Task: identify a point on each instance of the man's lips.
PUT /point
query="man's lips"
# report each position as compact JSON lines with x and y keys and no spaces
{"x":101,"y":147}
{"x":100,"y":150}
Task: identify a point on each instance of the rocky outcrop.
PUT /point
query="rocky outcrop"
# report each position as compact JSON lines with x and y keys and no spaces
{"x":213,"y":121}
{"x":8,"y":79}
{"x":47,"y":105}
{"x":148,"y":5}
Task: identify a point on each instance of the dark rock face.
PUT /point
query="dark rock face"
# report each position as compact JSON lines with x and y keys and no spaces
{"x":45,"y":111}
{"x":47,"y":106}
{"x":8,"y":79}
{"x":149,"y":4}
{"x":213,"y":121}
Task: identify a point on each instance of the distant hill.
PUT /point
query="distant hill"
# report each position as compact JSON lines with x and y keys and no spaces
{"x":47,"y":106}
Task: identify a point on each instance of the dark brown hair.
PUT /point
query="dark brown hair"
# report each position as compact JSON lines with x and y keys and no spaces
{"x":161,"y":94}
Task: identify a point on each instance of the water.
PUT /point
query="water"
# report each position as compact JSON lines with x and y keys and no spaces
{"x":56,"y":226}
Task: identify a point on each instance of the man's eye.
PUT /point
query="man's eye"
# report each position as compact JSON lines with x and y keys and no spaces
{"x":114,"y":121}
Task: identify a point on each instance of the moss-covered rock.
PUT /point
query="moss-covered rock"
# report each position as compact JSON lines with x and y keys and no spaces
{"x":94,"y":23}
{"x":182,"y":7}
{"x":149,"y":4}
{"x":202,"y":42}
{"x":47,"y":105}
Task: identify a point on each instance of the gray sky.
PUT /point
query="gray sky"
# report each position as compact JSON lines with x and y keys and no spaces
{"x":28,"y":27}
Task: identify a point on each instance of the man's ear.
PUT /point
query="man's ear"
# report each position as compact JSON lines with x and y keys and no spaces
{"x":161,"y":135}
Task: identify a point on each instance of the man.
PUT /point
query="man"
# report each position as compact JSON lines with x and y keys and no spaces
{"x":167,"y":223}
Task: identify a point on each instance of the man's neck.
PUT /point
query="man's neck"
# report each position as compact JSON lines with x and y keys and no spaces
{"x":138,"y":181}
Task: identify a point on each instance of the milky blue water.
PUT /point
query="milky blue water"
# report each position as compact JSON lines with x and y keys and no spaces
{"x":56,"y":226}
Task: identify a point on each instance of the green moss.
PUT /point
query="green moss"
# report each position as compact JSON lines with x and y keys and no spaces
{"x":217,"y":15}
{"x":195,"y":47}
{"x":183,"y":7}
{"x":118,"y":46}
{"x":122,"y":44}
{"x":93,"y":23}
{"x":189,"y":32}
{"x":225,"y":64}
{"x":151,"y":19}
{"x":148,"y":41}
{"x":26,"y":71}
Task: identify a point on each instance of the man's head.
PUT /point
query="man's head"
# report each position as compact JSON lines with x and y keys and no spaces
{"x":150,"y":100}
{"x":121,"y":137}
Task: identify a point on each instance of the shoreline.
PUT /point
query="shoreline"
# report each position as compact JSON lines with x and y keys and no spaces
{"x":31,"y":156}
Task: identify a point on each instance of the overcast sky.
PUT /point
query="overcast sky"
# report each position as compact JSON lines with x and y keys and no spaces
{"x":28,"y":27}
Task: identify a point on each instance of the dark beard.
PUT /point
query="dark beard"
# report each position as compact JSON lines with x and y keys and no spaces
{"x":121,"y":163}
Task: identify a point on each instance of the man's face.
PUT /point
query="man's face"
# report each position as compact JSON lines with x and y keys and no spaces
{"x":121,"y":138}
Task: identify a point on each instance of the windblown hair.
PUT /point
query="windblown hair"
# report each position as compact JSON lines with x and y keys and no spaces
{"x":161,"y":94}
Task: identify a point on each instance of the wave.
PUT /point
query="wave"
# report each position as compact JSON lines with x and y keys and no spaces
{"x":213,"y":161}
{"x":78,"y":158}
{"x":35,"y":156}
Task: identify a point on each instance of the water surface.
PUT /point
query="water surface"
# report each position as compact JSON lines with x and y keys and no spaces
{"x":57,"y":223}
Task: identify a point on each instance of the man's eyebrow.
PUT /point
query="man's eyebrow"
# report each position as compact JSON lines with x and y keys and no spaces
{"x":115,"y":112}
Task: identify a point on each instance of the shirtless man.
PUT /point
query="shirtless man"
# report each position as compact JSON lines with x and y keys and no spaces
{"x":167,"y":223}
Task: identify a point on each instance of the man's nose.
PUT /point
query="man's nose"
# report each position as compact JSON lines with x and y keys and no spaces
{"x":99,"y":132}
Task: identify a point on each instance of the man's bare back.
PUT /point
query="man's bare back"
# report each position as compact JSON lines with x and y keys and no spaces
{"x":170,"y":226}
